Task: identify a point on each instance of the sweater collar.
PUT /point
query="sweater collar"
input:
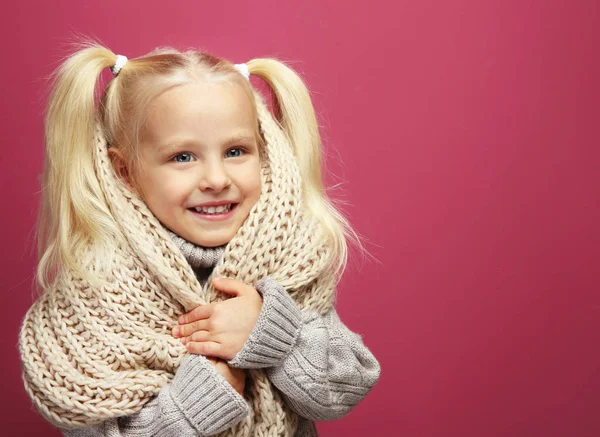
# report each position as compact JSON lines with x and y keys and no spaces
{"x":198,"y":256}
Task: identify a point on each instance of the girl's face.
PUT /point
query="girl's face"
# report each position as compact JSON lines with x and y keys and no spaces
{"x":198,"y":147}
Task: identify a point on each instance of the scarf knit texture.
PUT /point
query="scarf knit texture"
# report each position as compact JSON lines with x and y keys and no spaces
{"x":94,"y":353}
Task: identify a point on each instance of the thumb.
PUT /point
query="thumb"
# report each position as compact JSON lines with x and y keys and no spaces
{"x":227,"y":285}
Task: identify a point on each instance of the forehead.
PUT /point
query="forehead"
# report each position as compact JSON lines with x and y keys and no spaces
{"x":203,"y":110}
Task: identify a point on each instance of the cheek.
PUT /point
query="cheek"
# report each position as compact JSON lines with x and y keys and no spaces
{"x":247,"y":178}
{"x":164,"y":190}
{"x":253,"y":184}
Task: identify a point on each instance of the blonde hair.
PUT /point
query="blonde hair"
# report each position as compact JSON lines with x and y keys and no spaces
{"x":73,"y":213}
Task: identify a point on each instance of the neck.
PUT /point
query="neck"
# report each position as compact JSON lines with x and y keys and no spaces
{"x":198,"y":256}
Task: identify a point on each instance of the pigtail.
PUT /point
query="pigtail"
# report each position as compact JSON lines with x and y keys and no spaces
{"x":73,"y":210}
{"x":296,"y":116}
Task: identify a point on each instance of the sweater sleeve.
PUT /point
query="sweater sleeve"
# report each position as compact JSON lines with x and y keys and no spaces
{"x":322,"y":368}
{"x":198,"y":402}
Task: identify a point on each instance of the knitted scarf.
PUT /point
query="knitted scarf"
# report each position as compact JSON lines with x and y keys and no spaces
{"x":94,"y":353}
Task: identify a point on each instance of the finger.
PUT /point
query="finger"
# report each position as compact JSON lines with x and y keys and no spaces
{"x":198,"y":313}
{"x":229,"y":286}
{"x":188,"y":329}
{"x":198,"y":336}
{"x":209,"y":348}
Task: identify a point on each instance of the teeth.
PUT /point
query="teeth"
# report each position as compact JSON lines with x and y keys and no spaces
{"x":214,"y":209}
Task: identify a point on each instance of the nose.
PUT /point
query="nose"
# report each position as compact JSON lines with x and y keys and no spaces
{"x":214,"y":177}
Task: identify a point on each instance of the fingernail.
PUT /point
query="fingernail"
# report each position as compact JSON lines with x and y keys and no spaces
{"x":181,"y":320}
{"x":176,"y":331}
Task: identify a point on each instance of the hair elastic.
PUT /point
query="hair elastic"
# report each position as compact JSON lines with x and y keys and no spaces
{"x":119,"y":64}
{"x":243,"y":68}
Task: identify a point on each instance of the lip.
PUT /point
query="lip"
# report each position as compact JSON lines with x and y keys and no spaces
{"x":214,"y":217}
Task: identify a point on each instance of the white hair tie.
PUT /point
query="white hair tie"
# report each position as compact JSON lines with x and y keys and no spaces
{"x":119,"y":64}
{"x":243,"y":68}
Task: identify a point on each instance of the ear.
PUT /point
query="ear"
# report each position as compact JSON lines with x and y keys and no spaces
{"x":120,"y":165}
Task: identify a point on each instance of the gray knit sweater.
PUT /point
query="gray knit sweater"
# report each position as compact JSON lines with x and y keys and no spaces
{"x":322,"y":369}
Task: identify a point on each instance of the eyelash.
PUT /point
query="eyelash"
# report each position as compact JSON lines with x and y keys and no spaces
{"x":243,"y":150}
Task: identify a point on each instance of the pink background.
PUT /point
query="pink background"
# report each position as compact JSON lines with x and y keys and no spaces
{"x":466,"y":137}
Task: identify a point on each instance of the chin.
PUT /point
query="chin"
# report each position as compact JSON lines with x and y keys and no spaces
{"x":213,"y":242}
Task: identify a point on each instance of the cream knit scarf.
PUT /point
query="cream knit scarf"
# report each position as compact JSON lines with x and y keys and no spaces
{"x":91,"y":354}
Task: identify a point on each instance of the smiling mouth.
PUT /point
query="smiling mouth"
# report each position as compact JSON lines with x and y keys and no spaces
{"x":213,"y":211}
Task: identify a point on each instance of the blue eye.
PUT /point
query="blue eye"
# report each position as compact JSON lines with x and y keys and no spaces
{"x":181,"y":154}
{"x":237,"y":148}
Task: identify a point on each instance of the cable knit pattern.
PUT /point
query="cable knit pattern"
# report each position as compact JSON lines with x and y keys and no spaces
{"x":322,"y":368}
{"x":94,"y":353}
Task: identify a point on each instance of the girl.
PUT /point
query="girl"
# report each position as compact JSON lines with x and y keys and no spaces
{"x":188,"y":255}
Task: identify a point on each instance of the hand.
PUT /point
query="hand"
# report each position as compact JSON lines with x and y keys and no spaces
{"x":234,"y":376}
{"x":220,"y":329}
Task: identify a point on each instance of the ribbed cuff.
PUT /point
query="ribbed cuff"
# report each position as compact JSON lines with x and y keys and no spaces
{"x":276,"y":329}
{"x":209,"y":402}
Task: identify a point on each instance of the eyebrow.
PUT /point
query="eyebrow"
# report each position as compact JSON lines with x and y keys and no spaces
{"x":180,"y":142}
